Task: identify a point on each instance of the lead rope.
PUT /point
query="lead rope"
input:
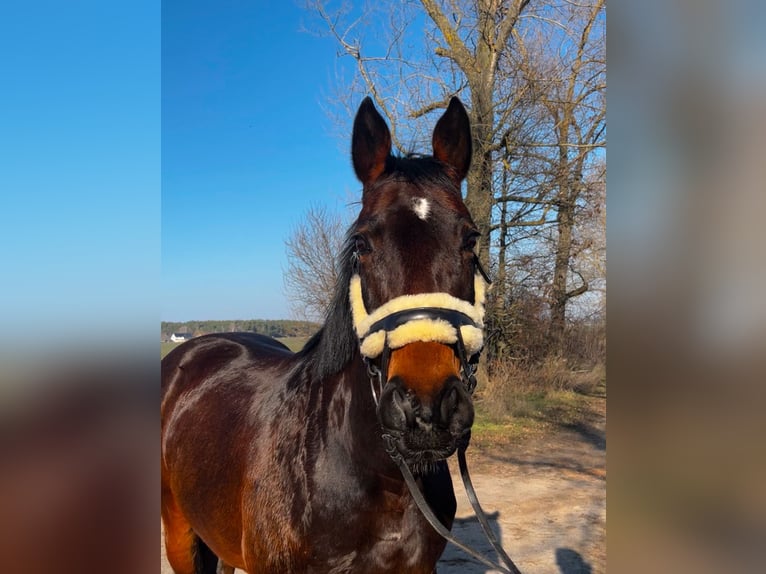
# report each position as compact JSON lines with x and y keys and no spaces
{"x":443,"y":531}
{"x":474,"y":500}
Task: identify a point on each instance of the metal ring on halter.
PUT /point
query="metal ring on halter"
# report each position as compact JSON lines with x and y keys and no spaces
{"x":374,"y":374}
{"x":378,"y":374}
{"x":467,"y":368}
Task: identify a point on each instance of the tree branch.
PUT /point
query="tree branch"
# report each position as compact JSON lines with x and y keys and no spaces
{"x":458,"y":51}
{"x":510,"y":22}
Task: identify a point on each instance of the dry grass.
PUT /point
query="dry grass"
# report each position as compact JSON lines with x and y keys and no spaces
{"x":549,"y":393}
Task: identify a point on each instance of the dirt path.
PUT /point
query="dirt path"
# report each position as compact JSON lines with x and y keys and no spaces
{"x":547,"y":500}
{"x":546,"y":497}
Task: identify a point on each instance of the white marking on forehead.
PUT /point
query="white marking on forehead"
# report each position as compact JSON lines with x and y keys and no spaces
{"x":421,"y":207}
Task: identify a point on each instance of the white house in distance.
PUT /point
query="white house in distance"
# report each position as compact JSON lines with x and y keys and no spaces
{"x":180,"y":337}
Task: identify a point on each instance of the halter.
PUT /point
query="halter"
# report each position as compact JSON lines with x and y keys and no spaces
{"x":425,"y":317}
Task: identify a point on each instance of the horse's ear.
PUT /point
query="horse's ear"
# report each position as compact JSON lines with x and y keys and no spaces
{"x":370,"y":143}
{"x":452,"y":139}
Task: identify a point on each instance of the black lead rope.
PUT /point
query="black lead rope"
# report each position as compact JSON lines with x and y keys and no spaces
{"x":474,"y":500}
{"x":443,"y":531}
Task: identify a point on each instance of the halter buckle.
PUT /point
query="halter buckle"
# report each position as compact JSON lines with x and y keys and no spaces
{"x":469,"y":377}
{"x":374,"y":373}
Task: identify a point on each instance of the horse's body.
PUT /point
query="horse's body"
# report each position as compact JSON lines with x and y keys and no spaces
{"x":285,"y":487}
{"x":273,"y":461}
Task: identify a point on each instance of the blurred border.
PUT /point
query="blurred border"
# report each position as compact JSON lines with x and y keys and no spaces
{"x":687,"y":272}
{"x":79,"y":320}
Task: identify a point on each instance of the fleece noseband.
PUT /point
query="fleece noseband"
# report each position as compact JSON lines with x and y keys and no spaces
{"x":436,"y":317}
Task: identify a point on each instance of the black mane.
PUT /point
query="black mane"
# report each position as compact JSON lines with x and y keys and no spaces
{"x":420,"y":170}
{"x":335,"y":344}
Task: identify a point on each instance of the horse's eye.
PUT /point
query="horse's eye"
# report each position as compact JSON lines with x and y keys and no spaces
{"x":469,"y":243}
{"x":361,"y":245}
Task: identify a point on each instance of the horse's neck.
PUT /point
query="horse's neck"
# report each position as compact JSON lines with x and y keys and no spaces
{"x":342,"y":396}
{"x":361,"y":430}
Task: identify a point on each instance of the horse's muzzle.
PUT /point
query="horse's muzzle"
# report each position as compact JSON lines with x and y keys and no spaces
{"x":426,"y":429}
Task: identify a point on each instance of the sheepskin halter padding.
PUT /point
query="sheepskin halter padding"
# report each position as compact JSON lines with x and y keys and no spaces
{"x":431,"y":325}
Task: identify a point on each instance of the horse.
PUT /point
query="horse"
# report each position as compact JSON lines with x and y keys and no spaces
{"x":277,"y":462}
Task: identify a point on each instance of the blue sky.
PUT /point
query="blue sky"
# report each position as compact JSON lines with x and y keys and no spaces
{"x":135,"y":188}
{"x":79,"y":168}
{"x":246,"y":150}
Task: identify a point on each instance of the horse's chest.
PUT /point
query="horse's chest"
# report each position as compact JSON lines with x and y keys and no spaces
{"x":384,"y":534}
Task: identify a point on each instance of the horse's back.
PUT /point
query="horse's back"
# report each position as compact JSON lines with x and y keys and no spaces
{"x":209,"y":353}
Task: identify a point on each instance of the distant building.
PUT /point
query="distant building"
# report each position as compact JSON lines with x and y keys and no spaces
{"x":180,"y":337}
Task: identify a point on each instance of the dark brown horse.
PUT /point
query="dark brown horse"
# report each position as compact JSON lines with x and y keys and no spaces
{"x":276,"y":462}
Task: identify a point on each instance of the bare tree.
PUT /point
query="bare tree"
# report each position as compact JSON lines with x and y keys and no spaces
{"x":311,"y":274}
{"x":460,"y":54}
{"x":533,"y":75}
{"x":570,"y":87}
{"x":588,"y":257}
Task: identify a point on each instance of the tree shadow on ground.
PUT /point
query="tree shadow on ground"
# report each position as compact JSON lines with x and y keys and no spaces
{"x":570,"y":465}
{"x":589,"y":433}
{"x":568,"y":455}
{"x":571,"y":562}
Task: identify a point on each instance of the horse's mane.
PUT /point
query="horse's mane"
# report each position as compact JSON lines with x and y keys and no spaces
{"x":421,"y":170}
{"x":335,"y":344}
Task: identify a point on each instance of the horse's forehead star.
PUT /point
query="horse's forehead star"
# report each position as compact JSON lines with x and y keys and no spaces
{"x":421,"y":207}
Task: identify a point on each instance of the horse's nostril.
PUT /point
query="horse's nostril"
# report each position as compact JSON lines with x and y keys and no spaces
{"x":449,"y":404}
{"x":398,"y":397}
{"x":402,"y":401}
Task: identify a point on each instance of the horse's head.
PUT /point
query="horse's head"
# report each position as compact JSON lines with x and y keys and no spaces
{"x":417,"y":294}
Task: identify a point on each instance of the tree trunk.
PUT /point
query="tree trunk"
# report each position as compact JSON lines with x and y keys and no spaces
{"x":559,"y":295}
{"x":481,"y":79}
{"x":479,"y":196}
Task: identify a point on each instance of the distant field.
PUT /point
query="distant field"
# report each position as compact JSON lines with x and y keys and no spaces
{"x":166,"y":347}
{"x":293,"y":343}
